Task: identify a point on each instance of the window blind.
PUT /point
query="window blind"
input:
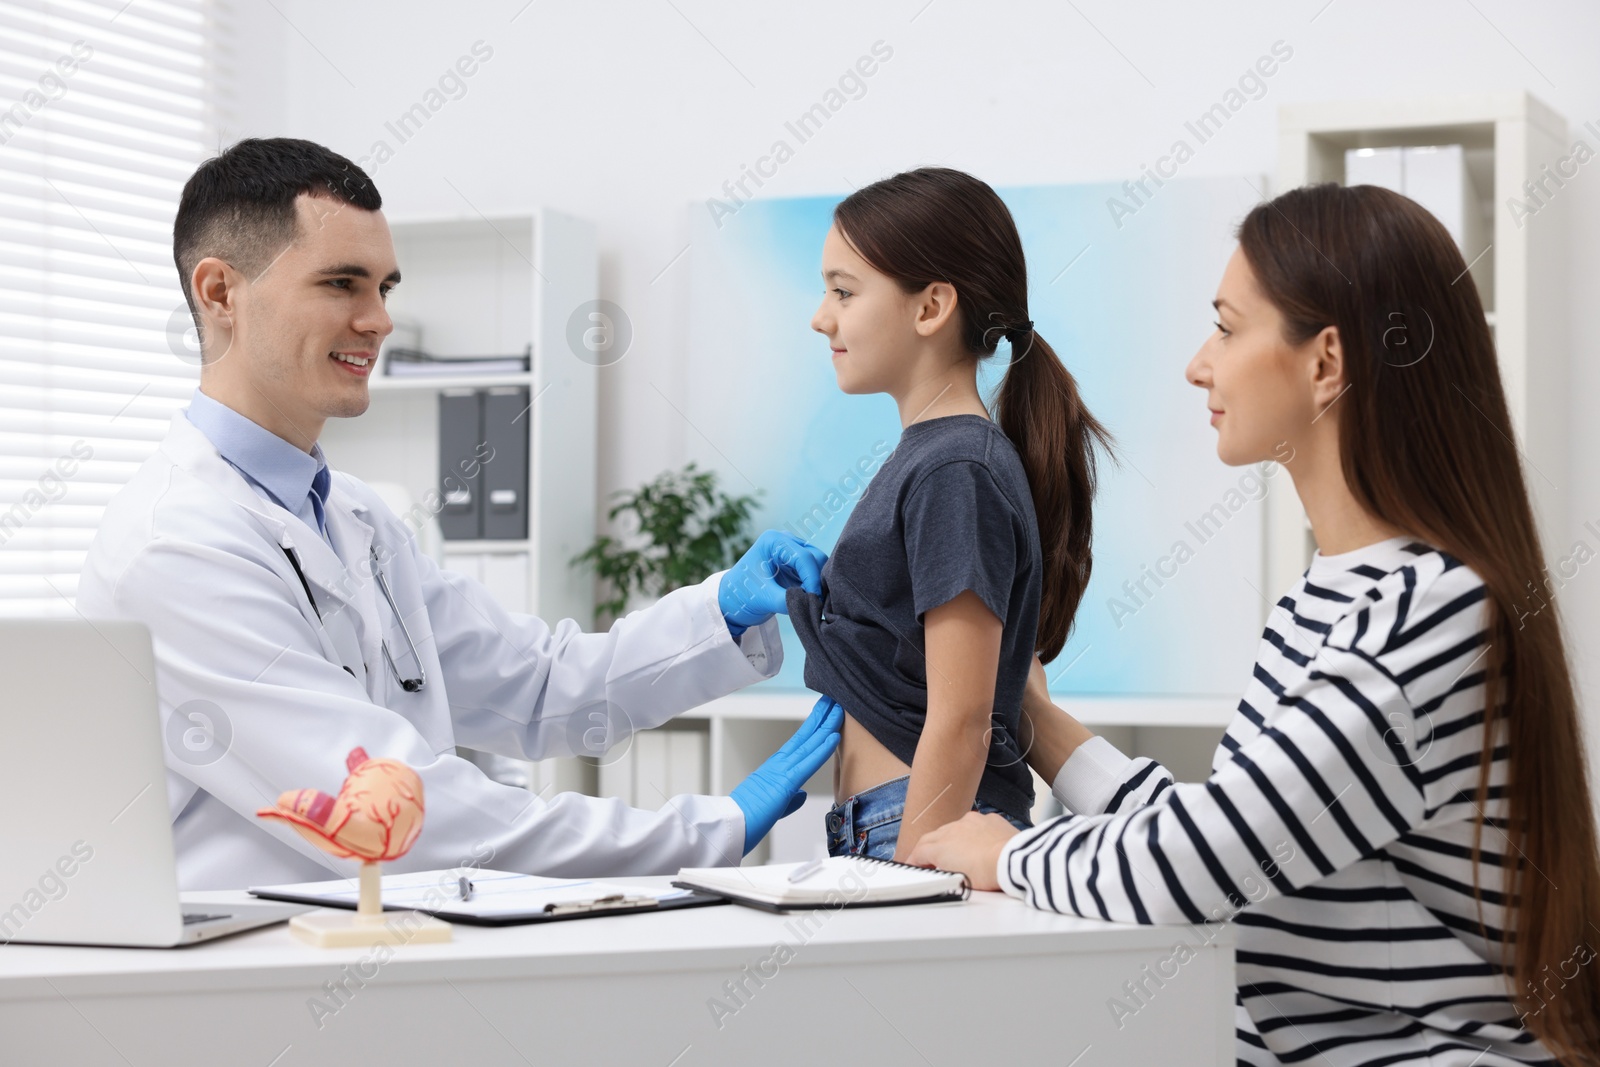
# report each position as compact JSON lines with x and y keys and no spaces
{"x":103,"y":116}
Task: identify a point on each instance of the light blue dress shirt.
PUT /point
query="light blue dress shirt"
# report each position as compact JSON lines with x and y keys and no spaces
{"x":297,"y":481}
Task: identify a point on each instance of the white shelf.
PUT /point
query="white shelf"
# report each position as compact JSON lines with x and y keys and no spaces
{"x":386,"y":384}
{"x":1208,"y":712}
{"x":1509,"y":138}
{"x":487,"y":546}
{"x":767,"y":707}
{"x":793,"y":706}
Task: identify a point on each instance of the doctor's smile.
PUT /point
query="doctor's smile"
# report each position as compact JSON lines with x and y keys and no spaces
{"x":442,"y":686}
{"x":358,"y":363}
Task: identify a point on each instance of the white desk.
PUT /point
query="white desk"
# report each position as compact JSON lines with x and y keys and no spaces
{"x":988,"y":980}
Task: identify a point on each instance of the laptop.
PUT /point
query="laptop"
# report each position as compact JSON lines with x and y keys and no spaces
{"x":86,"y":853}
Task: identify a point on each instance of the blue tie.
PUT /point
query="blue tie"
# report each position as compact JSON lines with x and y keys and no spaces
{"x":320,"y":483}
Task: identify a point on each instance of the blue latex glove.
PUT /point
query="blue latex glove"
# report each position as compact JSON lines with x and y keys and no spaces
{"x":752,"y":590}
{"x":773,"y":789}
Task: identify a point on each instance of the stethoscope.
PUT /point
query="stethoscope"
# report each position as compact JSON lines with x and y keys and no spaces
{"x":410,"y":685}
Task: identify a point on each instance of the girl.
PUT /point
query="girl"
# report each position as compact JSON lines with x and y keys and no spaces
{"x":943,"y":582}
{"x":1411,"y":887}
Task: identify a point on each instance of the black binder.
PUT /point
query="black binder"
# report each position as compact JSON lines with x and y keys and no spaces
{"x":460,"y":467}
{"x":506,"y":414}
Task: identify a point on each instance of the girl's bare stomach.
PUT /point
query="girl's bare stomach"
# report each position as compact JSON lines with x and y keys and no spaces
{"x":862,"y":762}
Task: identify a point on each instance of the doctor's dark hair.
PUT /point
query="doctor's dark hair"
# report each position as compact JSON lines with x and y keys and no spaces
{"x":239,"y":206}
{"x":1425,"y":442}
{"x":940,"y":225}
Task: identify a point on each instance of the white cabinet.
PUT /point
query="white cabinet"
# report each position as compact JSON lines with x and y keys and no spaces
{"x":494,"y":287}
{"x":1517,"y":156}
{"x":504,"y":571}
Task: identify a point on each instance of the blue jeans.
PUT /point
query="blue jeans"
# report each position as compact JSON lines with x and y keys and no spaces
{"x":868,"y":824}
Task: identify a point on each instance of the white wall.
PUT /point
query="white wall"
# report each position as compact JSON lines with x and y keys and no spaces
{"x":629,"y":112}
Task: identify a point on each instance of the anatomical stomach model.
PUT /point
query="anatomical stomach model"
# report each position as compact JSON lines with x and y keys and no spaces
{"x":376,"y":816}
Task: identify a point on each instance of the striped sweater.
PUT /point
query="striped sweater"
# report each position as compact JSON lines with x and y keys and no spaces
{"x":1335,"y":830}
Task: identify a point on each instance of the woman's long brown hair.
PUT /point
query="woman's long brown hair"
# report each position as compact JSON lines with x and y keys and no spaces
{"x":940,"y":225}
{"x":1426,"y":445}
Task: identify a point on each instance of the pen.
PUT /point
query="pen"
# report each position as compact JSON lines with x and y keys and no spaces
{"x":805,"y":870}
{"x":466,"y":888}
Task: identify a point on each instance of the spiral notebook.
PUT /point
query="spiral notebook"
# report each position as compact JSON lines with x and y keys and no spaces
{"x":836,"y":882}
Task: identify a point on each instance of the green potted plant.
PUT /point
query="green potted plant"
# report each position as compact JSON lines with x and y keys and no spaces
{"x":682,"y":528}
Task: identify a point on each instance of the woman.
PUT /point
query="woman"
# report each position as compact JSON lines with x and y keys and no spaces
{"x":1409,"y":886}
{"x":943,"y":584}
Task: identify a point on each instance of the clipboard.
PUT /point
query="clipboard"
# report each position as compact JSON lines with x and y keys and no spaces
{"x":497,"y":895}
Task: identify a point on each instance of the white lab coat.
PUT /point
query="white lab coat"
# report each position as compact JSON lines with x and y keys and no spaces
{"x":192,"y":551}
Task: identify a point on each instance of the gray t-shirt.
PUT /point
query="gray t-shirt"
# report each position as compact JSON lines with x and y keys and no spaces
{"x":949,"y":510}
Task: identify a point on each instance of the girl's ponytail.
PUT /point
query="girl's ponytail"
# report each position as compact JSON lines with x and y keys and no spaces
{"x":1040,"y":410}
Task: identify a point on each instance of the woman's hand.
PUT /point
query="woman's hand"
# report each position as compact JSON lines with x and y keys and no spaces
{"x":971,"y":845}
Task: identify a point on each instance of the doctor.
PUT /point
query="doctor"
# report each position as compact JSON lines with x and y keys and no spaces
{"x":294,"y":617}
